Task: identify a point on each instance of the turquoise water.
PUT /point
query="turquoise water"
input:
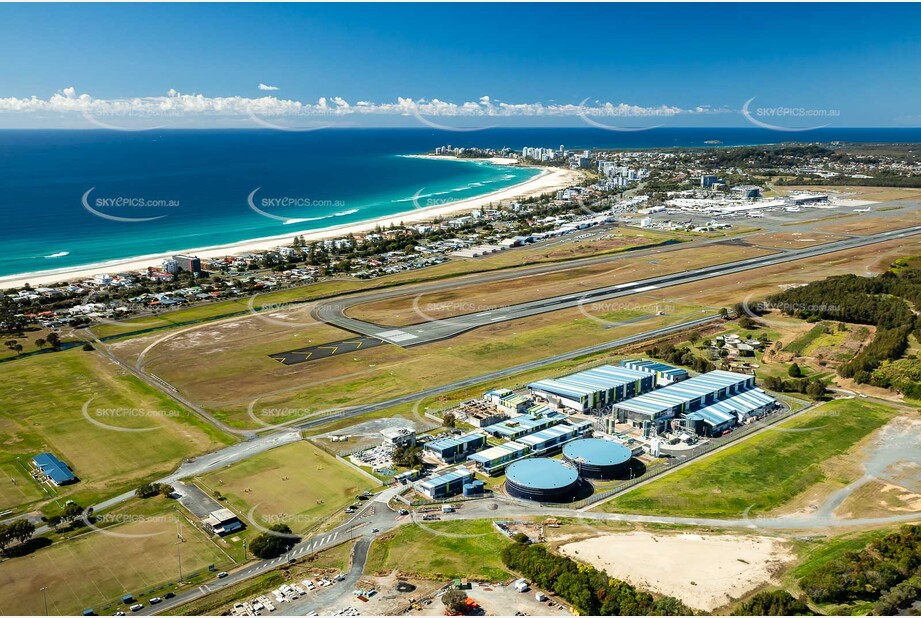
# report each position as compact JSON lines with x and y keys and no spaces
{"x":195,"y":184}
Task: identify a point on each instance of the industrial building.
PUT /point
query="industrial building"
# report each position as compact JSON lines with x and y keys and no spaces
{"x":221,"y":522}
{"x":539,"y":418}
{"x":506,"y":401}
{"x":493,"y":460}
{"x":450,"y":450}
{"x":53,"y":469}
{"x":479,"y":413}
{"x":399,"y":437}
{"x":665,"y":374}
{"x":543,"y":480}
{"x":679,"y":399}
{"x":445,"y":485}
{"x":594,"y":388}
{"x":716,"y":418}
{"x":542,"y":442}
{"x":597,"y":458}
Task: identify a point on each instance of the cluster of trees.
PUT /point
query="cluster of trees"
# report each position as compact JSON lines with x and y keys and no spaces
{"x":885,"y":301}
{"x":408,"y":456}
{"x":69,"y":515}
{"x":774,"y":603}
{"x":761,"y":157}
{"x":153,"y":489}
{"x":815,"y":389}
{"x":885,"y":571}
{"x":590,"y":591}
{"x":680,"y":356}
{"x":903,"y":374}
{"x":274,"y":543}
{"x":18,"y":531}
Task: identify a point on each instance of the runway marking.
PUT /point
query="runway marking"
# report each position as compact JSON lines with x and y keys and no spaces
{"x":325,"y":350}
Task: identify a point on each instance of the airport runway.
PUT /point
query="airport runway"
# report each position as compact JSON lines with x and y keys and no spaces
{"x":333,"y":312}
{"x":316,"y":352}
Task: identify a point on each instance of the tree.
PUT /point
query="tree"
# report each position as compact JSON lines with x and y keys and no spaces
{"x":71,"y":511}
{"x":747,"y":323}
{"x":274,"y":543}
{"x":794,"y":371}
{"x":816,"y":389}
{"x":166,"y":489}
{"x":40,"y":343}
{"x":54,"y":340}
{"x":449,"y":420}
{"x":455,"y":600}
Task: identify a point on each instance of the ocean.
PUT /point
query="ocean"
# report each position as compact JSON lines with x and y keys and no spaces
{"x":78,"y":198}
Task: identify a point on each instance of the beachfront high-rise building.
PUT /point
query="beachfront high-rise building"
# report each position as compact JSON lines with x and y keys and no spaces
{"x":188,"y":263}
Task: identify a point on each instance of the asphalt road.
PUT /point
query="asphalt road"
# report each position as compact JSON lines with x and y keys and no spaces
{"x":333,"y":312}
{"x":359,"y":527}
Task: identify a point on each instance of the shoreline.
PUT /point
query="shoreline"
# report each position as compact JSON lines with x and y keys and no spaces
{"x":549,"y":180}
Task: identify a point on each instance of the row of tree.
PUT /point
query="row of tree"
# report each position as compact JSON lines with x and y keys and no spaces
{"x":153,"y":489}
{"x":814,"y":388}
{"x":680,"y":356}
{"x":590,"y":591}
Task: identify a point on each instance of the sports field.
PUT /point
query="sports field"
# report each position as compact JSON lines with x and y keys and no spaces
{"x":441,"y":550}
{"x":763,"y":472}
{"x":43,"y":400}
{"x":96,"y":569}
{"x":297,"y":484}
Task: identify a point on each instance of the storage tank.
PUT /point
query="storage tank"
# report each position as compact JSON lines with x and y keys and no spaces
{"x":544,"y":480}
{"x":598,"y":459}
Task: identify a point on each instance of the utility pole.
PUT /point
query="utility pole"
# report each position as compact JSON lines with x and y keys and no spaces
{"x":179,"y":542}
{"x":44,"y":590}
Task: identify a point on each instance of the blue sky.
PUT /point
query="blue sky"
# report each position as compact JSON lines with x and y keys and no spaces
{"x":675,"y":64}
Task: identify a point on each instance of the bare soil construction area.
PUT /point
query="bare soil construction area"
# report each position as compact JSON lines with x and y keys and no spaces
{"x":705,"y":572}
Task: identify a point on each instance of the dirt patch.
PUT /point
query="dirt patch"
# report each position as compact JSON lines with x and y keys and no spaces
{"x":705,"y":572}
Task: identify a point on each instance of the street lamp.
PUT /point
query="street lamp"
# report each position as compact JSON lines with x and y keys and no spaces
{"x":44,"y":590}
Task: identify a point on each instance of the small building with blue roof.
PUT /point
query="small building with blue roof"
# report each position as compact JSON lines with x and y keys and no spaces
{"x":53,"y":469}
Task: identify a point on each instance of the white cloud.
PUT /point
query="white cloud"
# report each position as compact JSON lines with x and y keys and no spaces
{"x":176,"y":103}
{"x":267,"y":87}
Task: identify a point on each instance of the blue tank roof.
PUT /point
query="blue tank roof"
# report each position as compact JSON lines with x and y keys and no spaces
{"x":540,"y":473}
{"x":597,"y":452}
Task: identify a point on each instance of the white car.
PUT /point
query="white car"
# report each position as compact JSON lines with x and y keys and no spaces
{"x":137,"y":607}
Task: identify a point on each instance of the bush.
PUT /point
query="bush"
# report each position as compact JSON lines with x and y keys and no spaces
{"x":774,"y":603}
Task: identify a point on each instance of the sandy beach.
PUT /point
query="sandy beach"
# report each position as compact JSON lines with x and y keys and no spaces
{"x":549,"y":180}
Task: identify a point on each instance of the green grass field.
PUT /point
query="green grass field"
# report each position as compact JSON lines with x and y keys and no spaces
{"x":95,"y":569}
{"x":414,"y":550}
{"x":798,"y":345}
{"x":762,"y":472}
{"x":297,"y":484}
{"x":43,"y":411}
